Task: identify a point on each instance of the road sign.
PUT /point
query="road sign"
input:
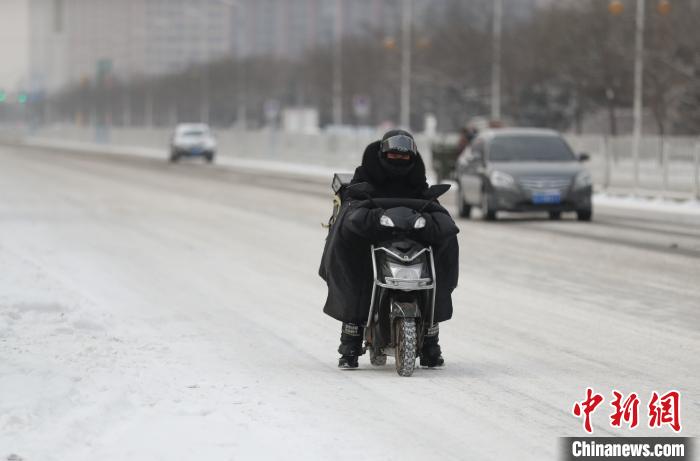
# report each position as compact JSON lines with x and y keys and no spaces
{"x":271,"y":108}
{"x":361,"y":105}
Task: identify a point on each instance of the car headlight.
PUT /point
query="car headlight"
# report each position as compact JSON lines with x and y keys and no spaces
{"x":502,"y":180}
{"x":386,"y":221}
{"x":420,"y":223}
{"x":583,"y":180}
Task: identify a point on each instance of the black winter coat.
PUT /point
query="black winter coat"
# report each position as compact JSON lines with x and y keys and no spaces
{"x":346,"y":264}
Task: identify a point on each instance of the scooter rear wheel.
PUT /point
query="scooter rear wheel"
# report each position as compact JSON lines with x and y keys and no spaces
{"x":405,"y":346}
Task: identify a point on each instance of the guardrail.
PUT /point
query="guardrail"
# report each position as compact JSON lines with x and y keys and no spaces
{"x":342,"y":151}
{"x":667,"y":167}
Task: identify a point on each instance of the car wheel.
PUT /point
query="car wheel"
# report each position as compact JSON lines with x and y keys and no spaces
{"x":465,"y":210}
{"x":487,"y":212}
{"x":584,"y":215}
{"x":209,"y":158}
{"x":174,"y":157}
{"x":555,"y":215}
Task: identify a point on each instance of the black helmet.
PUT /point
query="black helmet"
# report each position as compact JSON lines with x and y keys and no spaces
{"x":397,"y":153}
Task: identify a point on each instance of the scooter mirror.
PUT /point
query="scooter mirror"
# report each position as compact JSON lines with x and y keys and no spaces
{"x":436,"y":191}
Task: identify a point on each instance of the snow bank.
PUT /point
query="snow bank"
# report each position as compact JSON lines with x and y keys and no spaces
{"x":691,"y":207}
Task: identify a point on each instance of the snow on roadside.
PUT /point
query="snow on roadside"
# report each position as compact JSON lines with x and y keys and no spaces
{"x":75,"y":379}
{"x":39,"y":314}
{"x":260,"y":165}
{"x":690,"y":207}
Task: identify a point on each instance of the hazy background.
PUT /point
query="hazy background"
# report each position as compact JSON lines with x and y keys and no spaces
{"x":565,"y":64}
{"x":14,"y":43}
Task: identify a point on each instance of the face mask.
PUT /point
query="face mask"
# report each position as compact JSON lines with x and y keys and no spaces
{"x":396,"y":167}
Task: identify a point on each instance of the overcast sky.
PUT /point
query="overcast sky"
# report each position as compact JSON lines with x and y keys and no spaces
{"x":13,"y":42}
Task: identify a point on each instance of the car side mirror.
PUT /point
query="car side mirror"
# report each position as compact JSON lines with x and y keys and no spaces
{"x":583,"y":157}
{"x":436,"y":191}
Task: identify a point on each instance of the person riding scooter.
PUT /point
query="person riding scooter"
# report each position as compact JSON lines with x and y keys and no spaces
{"x":393,"y":168}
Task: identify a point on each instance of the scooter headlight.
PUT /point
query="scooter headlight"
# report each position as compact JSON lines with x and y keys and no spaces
{"x":386,"y":221}
{"x":420,"y":223}
{"x":399,"y":271}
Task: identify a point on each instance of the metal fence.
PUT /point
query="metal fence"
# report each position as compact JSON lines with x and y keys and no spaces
{"x":666,"y":167}
{"x":338,"y":150}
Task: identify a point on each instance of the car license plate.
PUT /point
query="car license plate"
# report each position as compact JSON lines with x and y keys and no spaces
{"x":546,"y":198}
{"x":196,"y":150}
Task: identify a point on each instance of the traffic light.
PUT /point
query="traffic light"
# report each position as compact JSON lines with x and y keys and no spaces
{"x":3,"y":96}
{"x":22,"y":98}
{"x":389,"y":43}
{"x":616,"y":7}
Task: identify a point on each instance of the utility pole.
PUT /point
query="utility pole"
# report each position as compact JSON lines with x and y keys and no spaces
{"x":204,"y":92}
{"x":338,"y":65}
{"x":638,"y":87}
{"x":126,"y":101}
{"x":148,"y":109}
{"x":406,"y":48}
{"x":496,"y":60}
{"x":126,"y":109}
{"x":204,"y":77}
{"x":241,"y":75}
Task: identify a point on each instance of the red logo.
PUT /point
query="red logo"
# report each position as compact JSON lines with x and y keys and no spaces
{"x":627,"y":411}
{"x":663,"y":410}
{"x":587,"y":407}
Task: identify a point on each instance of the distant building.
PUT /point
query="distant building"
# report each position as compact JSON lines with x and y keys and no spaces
{"x":290,"y":27}
{"x":13,"y":45}
{"x":71,"y":39}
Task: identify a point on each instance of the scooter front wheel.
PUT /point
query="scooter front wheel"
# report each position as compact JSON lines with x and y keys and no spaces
{"x":405,"y":346}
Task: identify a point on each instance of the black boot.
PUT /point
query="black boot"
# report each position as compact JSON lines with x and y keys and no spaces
{"x":350,"y":345}
{"x":347,"y":361}
{"x":431,"y":355}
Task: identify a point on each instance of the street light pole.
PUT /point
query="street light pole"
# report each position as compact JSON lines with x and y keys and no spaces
{"x":338,"y":65}
{"x":205,"y":74}
{"x":241,"y":75}
{"x":237,"y":14}
{"x":496,"y":60}
{"x":406,"y":48}
{"x":126,"y":109}
{"x":205,"y":102}
{"x":638,"y":86}
{"x":148,"y":110}
{"x":205,"y":107}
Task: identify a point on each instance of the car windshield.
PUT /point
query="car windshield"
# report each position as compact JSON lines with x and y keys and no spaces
{"x":530,"y":149}
{"x":197,"y":133}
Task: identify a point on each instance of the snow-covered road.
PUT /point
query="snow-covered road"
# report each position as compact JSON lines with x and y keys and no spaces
{"x":157,"y":312}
